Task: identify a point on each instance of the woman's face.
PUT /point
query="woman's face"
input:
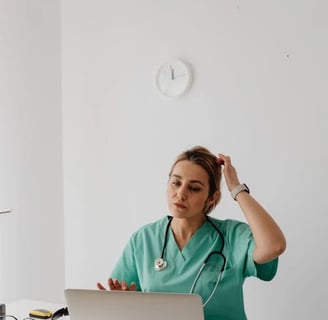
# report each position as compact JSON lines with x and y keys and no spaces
{"x":187,"y":190}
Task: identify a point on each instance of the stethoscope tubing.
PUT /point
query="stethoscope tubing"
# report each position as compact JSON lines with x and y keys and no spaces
{"x":216,"y":283}
{"x":160,"y":263}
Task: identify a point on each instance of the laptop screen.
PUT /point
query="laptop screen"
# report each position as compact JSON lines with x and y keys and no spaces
{"x":86,"y":304}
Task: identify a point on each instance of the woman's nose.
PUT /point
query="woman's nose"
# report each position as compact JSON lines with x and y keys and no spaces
{"x":182,"y":194}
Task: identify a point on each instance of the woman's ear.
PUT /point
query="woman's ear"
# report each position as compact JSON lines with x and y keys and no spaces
{"x":214,"y":200}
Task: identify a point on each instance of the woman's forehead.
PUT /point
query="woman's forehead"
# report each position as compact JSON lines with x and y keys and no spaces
{"x":189,"y":170}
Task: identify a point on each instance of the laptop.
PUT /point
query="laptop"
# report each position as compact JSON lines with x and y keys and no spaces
{"x":84,"y":304}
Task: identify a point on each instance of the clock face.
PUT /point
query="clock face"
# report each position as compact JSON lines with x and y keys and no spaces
{"x":173,"y":78}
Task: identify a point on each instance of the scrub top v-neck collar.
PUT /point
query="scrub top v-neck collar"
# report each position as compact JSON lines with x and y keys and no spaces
{"x":188,"y":250}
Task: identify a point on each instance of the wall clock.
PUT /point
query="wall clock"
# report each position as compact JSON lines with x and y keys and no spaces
{"x":174,"y":78}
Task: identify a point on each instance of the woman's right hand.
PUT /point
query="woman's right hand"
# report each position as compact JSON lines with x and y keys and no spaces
{"x":114,"y":284}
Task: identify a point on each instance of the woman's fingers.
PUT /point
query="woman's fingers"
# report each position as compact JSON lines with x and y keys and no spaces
{"x":124,"y":286}
{"x":114,"y":284}
{"x":133,"y":287}
{"x":100,"y":286}
{"x":229,"y":171}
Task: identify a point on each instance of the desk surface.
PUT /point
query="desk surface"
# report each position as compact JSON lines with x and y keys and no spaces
{"x":21,"y":308}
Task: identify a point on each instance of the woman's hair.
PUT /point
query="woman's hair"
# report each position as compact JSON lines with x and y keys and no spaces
{"x":208,"y":161}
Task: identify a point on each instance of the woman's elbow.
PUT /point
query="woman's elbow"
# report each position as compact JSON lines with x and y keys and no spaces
{"x":264,"y":255}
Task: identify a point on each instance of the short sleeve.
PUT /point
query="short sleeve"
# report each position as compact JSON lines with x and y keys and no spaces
{"x":265,"y":271}
{"x":243,"y":245}
{"x":125,"y":268}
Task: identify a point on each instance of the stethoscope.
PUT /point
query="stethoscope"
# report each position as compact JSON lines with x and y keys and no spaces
{"x":160,"y":263}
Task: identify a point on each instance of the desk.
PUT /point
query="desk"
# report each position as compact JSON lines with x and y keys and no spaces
{"x":21,"y":308}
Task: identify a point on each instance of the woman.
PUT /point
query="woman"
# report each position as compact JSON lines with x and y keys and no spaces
{"x":168,"y":255}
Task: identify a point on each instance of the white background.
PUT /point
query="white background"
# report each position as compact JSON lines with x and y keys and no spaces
{"x":259,"y":94}
{"x":31,"y":236}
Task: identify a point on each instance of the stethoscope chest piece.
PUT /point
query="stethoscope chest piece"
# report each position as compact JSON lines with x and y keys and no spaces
{"x":160,"y":264}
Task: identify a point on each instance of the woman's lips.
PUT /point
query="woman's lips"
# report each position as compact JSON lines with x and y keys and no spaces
{"x":180,"y":206}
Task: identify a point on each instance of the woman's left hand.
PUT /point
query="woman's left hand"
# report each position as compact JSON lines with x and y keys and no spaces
{"x":229,"y":171}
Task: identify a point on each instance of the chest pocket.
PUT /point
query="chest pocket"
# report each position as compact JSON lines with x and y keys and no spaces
{"x":207,"y":279}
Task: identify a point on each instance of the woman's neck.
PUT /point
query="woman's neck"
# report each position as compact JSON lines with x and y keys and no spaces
{"x":184,"y":229}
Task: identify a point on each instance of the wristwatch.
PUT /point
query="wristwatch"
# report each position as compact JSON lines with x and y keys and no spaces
{"x":238,"y":189}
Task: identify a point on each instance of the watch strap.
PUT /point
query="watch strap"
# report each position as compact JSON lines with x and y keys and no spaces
{"x":235,"y":191}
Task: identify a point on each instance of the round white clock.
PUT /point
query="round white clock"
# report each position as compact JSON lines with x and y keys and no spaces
{"x":173,"y":78}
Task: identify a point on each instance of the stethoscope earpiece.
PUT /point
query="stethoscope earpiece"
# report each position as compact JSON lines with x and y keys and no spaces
{"x":160,"y":264}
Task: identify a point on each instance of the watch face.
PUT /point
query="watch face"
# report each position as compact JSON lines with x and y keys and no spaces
{"x":173,"y":78}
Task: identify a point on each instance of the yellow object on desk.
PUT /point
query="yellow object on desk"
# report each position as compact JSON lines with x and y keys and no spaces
{"x":40,"y":314}
{"x":21,"y":308}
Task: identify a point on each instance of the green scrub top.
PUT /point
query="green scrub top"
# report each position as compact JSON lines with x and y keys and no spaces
{"x":137,"y":265}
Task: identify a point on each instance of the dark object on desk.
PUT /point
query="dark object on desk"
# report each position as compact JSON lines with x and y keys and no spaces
{"x":60,"y":313}
{"x":40,"y":314}
{"x":2,"y":309}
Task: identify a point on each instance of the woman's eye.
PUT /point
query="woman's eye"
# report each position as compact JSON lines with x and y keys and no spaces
{"x":175,"y":183}
{"x":194,"y":189}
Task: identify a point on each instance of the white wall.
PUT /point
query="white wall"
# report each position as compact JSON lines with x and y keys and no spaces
{"x":259,"y":95}
{"x":31,"y":237}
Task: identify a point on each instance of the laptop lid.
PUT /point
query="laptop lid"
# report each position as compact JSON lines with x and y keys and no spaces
{"x":126,"y":305}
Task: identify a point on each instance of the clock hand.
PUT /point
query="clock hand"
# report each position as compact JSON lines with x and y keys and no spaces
{"x":180,"y":75}
{"x":172,"y":73}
